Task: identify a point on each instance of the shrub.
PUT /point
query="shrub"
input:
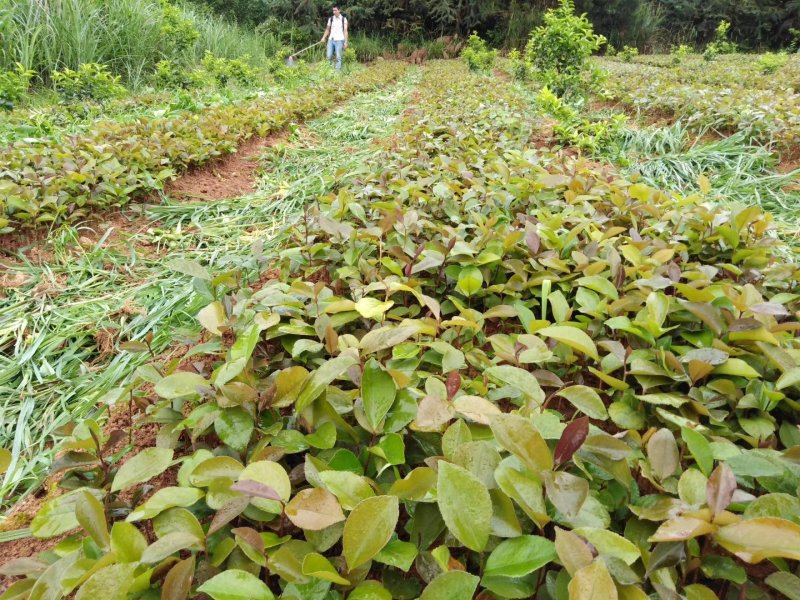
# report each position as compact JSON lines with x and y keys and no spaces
{"x":559,"y":51}
{"x":179,"y":33}
{"x":597,"y":136}
{"x":679,"y":53}
{"x":518,"y":67}
{"x":721,"y":43}
{"x":223,"y":70}
{"x":477,"y":55}
{"x":169,"y":74}
{"x":13,"y":86}
{"x":90,"y":82}
{"x":349,"y":56}
{"x":627,"y":53}
{"x":770,"y":62}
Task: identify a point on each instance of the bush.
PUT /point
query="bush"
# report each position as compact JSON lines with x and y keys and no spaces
{"x":559,"y":51}
{"x":349,"y":56}
{"x":90,"y":82}
{"x":477,"y":55}
{"x":721,"y":44}
{"x":518,"y":67}
{"x":169,"y":74}
{"x":224,"y":70}
{"x":179,"y":32}
{"x":679,"y":53}
{"x":13,"y":86}
{"x":770,"y":62}
{"x":627,"y":53}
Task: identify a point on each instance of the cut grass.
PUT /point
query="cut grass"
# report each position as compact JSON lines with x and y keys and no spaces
{"x":54,"y":372}
{"x":738,"y":168}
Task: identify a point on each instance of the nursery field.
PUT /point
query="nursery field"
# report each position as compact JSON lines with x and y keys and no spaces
{"x":429,"y":333}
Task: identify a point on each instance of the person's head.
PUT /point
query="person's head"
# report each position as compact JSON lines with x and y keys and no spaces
{"x":336,"y":11}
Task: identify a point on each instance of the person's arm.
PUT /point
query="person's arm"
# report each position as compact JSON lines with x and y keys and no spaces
{"x":346,"y":35}
{"x":327,"y":31}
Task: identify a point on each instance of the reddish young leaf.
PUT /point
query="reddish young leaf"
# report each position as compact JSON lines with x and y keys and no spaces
{"x":228,"y":512}
{"x":720,"y":488}
{"x":573,"y":437}
{"x":254,"y":488}
{"x":453,"y":384}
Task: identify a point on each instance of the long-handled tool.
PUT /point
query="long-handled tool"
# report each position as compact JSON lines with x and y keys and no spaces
{"x":290,"y":60}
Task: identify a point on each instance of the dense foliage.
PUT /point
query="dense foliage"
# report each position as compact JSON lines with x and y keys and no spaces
{"x":731,"y":93}
{"x":128,"y":36}
{"x":474,"y":366}
{"x":642,"y":23}
{"x":55,"y":180}
{"x":558,"y":51}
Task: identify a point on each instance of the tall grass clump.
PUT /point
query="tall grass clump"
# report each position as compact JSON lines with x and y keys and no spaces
{"x":129,"y":36}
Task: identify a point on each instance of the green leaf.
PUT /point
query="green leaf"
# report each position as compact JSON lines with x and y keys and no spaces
{"x":519,"y":436}
{"x":470,"y":280}
{"x":738,"y":368}
{"x":348,"y":487}
{"x":586,"y":400}
{"x":453,"y":585}
{"x":465,"y":505}
{"x":170,"y":544}
{"x":593,"y":582}
{"x":788,"y":379}
{"x":572,"y":337}
{"x":385,"y":337}
{"x":610,"y":544}
{"x":273,"y":475}
{"x":599,"y":284}
{"x":190,"y":268}
{"x":699,"y":448}
{"x":234,"y":427}
{"x":109,"y":583}
{"x":127,"y":542}
{"x":369,"y":528}
{"x":168,"y":497}
{"x":5,"y":460}
{"x":316,"y":382}
{"x":519,"y":379}
{"x":378,"y":392}
{"x":316,"y":565}
{"x":519,"y":556}
{"x":785,"y":583}
{"x":235,"y":584}
{"x":57,"y":515}
{"x":92,"y":516}
{"x":452,"y":358}
{"x":369,"y":590}
{"x":398,"y":554}
{"x":142,"y":467}
{"x":566,"y":491}
{"x":371,"y":308}
{"x":181,"y":384}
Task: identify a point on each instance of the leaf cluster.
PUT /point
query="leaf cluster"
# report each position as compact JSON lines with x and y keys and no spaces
{"x":470,"y":370}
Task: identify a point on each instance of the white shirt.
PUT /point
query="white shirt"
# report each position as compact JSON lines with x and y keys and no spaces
{"x":337,"y":28}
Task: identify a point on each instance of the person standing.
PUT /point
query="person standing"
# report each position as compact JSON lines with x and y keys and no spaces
{"x":337,"y":35}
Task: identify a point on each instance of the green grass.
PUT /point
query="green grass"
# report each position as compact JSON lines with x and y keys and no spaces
{"x":51,"y":372}
{"x":123,"y":34}
{"x":738,"y":167}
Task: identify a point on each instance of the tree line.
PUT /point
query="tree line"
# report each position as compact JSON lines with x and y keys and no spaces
{"x":647,"y":24}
